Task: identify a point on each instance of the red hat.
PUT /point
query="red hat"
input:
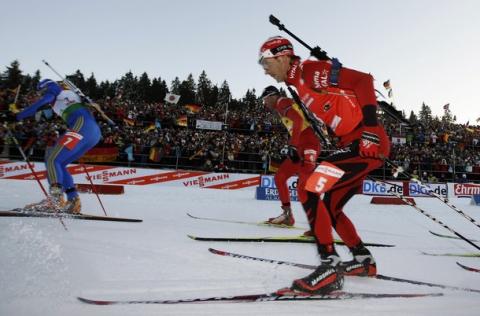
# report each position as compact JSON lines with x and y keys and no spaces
{"x":275,"y":46}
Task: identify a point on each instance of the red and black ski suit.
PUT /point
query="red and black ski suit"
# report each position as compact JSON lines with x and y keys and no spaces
{"x":344,"y":100}
{"x":303,"y":138}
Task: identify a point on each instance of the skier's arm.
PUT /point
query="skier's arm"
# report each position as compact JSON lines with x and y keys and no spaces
{"x":287,"y":109}
{"x":32,"y":109}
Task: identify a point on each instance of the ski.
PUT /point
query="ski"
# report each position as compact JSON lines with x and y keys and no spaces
{"x":266,"y":297}
{"x":22,"y":213}
{"x":292,"y":239}
{"x":312,"y":267}
{"x":468,"y":268}
{"x":464,"y":255}
{"x":221,"y":220}
{"x":447,"y":236}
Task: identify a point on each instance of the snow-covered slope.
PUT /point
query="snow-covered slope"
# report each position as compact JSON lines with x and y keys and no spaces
{"x":44,"y":268}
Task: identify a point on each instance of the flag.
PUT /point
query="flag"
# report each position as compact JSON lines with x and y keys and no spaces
{"x":154,"y":154}
{"x":446,"y":107}
{"x":386,"y":84}
{"x":149,"y":128}
{"x":100,"y":154}
{"x":388,"y":87}
{"x":182,"y":120}
{"x":172,"y":98}
{"x":193,"y":108}
{"x":129,"y":122}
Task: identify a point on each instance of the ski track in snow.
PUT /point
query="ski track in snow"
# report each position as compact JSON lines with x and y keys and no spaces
{"x":44,"y":268}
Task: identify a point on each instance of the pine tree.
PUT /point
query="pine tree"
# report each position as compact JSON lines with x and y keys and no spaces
{"x":224,"y":94}
{"x":107,"y":89}
{"x":78,"y":80}
{"x":12,"y":77}
{"x":425,"y":114}
{"x":204,"y":89}
{"x":213,"y":97}
{"x":35,"y":80}
{"x":413,"y":118}
{"x":157,"y":90}
{"x":250,"y":99}
{"x":128,"y":84}
{"x":143,"y":87}
{"x":175,"y":86}
{"x":188,"y":90}
{"x":91,"y":88}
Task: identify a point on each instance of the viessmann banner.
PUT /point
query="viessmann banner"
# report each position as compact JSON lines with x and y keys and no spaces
{"x":134,"y":176}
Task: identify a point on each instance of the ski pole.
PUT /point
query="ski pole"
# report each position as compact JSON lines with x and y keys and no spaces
{"x":25,"y":158}
{"x":80,"y":93}
{"x":94,"y":189}
{"x":431,"y":192}
{"x":401,"y":197}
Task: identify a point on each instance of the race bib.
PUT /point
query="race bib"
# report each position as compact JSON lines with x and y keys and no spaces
{"x":70,"y":140}
{"x":323,"y":178}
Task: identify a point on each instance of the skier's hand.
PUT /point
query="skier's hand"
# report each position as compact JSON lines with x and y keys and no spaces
{"x":369,"y":143}
{"x":292,"y":153}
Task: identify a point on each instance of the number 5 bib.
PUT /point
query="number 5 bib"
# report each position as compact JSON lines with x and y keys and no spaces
{"x":323,"y":178}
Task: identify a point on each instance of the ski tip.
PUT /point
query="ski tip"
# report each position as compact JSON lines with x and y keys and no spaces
{"x":192,"y":237}
{"x":95,"y":302}
{"x":467,"y":267}
{"x":215,"y":251}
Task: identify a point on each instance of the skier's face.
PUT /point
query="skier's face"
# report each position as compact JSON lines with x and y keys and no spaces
{"x":269,"y":101}
{"x":276,"y":67}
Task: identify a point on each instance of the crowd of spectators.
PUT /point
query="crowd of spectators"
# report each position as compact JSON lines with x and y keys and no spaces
{"x":149,"y":134}
{"x":436,"y":150}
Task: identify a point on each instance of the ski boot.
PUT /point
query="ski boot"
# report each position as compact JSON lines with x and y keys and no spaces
{"x":73,"y":206}
{"x":52,"y":203}
{"x":362,"y":263}
{"x":284,"y":219}
{"x":325,"y":279}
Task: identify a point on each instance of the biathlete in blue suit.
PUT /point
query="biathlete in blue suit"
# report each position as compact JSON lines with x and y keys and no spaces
{"x":83,"y":133}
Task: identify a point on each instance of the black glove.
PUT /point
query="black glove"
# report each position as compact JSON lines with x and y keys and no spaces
{"x":293,"y":154}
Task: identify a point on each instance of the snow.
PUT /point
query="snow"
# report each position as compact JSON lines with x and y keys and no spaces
{"x":44,"y":268}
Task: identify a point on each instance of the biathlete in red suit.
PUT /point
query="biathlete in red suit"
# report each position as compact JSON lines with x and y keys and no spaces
{"x":344,"y":100}
{"x":303,"y":150}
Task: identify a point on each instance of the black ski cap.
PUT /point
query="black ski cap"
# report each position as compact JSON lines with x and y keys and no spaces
{"x":268,"y":91}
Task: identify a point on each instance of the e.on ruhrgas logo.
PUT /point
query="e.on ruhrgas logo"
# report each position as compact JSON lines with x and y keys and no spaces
{"x":466,"y":189}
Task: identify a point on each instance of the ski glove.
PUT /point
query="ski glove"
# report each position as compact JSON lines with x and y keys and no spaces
{"x":369,"y":143}
{"x":293,"y":154}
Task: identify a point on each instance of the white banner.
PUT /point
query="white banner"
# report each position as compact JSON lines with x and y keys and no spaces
{"x":135,"y":176}
{"x":211,"y":125}
{"x":380,"y":188}
{"x":399,"y":140}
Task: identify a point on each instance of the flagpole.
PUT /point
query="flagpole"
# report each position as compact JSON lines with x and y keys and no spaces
{"x":225,"y":130}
